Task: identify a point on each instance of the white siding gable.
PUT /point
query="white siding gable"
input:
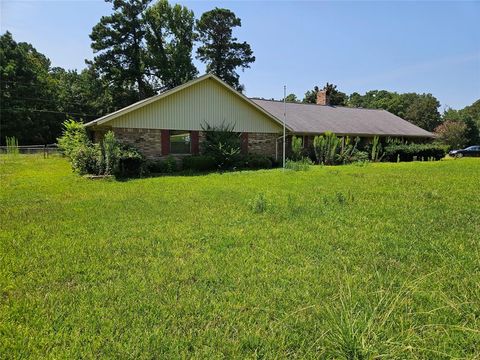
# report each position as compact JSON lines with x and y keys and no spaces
{"x":206,"y":101}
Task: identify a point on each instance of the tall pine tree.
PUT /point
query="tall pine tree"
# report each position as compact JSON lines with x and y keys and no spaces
{"x":222,"y":53}
{"x":121,"y":55}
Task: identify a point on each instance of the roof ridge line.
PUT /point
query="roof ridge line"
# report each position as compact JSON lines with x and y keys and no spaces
{"x":302,"y":103}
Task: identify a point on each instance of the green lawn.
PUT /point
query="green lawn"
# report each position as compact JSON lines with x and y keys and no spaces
{"x":345,"y":262}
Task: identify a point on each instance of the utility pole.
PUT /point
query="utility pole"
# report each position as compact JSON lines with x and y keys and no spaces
{"x":284,"y":120}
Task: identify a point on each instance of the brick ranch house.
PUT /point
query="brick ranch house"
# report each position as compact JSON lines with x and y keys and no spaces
{"x":171,"y":123}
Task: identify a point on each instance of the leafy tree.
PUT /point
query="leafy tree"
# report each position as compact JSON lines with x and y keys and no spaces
{"x":119,"y":42}
{"x":83,"y":95}
{"x":311,"y":96}
{"x":169,"y":35}
{"x":27,"y":95}
{"x":472,"y":132}
{"x":420,"y":109}
{"x":355,"y":100}
{"x":291,"y":98}
{"x":423,"y":112}
{"x":452,"y":133}
{"x":36,"y":99}
{"x":222,"y":53}
{"x":473,"y":111}
{"x":334,"y":96}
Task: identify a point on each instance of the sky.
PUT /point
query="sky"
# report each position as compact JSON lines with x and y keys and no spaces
{"x":425,"y":47}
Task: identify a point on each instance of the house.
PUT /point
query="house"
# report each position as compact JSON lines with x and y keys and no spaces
{"x":172,"y":122}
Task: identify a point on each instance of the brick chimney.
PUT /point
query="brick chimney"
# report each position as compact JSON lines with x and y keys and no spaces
{"x":322,"y":98}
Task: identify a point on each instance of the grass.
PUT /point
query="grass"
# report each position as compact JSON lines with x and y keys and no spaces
{"x":350,"y":262}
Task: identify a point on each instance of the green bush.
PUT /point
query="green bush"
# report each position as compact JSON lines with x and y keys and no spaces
{"x":86,"y":159}
{"x":255,"y":161}
{"x":74,"y":136}
{"x":107,"y":158}
{"x":111,"y":152}
{"x":326,"y":148}
{"x":347,"y":150}
{"x":223,"y":144}
{"x":170,"y":164}
{"x":408,"y":152}
{"x":377,"y":150}
{"x":297,"y":148}
{"x":199,"y":163}
{"x":360,"y":157}
{"x":131,"y":162}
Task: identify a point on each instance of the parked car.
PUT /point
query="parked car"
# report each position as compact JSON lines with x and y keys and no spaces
{"x":469,"y":151}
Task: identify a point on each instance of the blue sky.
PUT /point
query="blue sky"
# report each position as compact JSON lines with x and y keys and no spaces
{"x":399,"y":46}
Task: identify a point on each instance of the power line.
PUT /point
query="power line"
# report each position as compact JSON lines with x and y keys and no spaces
{"x":48,"y":111}
{"x":46,"y":100}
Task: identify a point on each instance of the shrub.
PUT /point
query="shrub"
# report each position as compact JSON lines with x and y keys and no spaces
{"x":166,"y":166}
{"x":377,"y":150}
{"x":223,"y":144}
{"x":296,"y":148}
{"x":199,"y":163}
{"x":419,"y":151}
{"x":255,"y":161}
{"x":131,"y":162}
{"x":74,"y":135}
{"x":107,"y":158}
{"x":326,"y":148}
{"x":86,"y":159}
{"x":111,"y":154}
{"x":347,"y":150}
{"x":360,"y":157}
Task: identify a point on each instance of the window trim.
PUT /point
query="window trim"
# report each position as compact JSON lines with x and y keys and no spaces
{"x":177,"y":132}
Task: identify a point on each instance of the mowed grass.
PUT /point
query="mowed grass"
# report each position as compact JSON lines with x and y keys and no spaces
{"x":350,"y":262}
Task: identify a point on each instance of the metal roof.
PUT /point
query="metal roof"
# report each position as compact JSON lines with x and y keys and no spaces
{"x":317,"y":119}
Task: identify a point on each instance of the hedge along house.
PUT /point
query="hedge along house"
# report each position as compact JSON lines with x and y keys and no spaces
{"x":172,"y":123}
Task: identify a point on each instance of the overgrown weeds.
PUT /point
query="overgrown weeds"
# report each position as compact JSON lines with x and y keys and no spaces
{"x":259,"y":204}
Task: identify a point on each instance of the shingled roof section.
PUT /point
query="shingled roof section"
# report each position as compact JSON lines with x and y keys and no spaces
{"x":317,"y":119}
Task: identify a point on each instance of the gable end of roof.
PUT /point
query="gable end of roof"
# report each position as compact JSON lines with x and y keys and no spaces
{"x":167,"y":93}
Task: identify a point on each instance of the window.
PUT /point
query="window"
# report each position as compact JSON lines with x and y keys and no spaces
{"x":180,"y":142}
